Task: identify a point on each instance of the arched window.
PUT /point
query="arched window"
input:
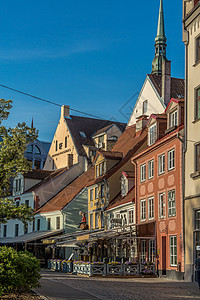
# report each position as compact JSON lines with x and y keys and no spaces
{"x":37,"y":150}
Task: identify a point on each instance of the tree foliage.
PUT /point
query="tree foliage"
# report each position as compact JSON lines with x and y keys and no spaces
{"x":9,"y":210}
{"x":19,"y":271}
{"x":13,"y":145}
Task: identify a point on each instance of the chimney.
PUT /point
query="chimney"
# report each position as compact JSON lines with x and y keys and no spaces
{"x":141,"y":123}
{"x":166,"y":81}
{"x":65,"y":111}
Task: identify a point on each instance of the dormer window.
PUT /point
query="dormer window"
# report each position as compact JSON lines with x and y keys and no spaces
{"x":152,"y":134}
{"x":100,"y":169}
{"x":174,"y":118}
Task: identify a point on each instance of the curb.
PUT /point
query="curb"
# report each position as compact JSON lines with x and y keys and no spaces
{"x":40,"y":295}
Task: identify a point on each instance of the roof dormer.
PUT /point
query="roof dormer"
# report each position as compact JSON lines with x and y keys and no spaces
{"x":175,"y":114}
{"x":105,"y":160}
{"x":127,"y":182}
{"x":156,"y":125}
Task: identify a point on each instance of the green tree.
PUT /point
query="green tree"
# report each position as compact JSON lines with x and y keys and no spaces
{"x":19,"y":271}
{"x":13,"y":144}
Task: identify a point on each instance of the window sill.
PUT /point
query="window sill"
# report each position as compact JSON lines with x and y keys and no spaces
{"x":195,"y":175}
{"x":196,"y":121}
{"x":169,"y":170}
{"x":196,"y":63}
{"x":170,"y":129}
{"x":159,"y":174}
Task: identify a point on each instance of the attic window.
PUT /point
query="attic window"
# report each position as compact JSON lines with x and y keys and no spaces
{"x":173,"y":118}
{"x":152,"y":134}
{"x":113,"y":138}
{"x":82,"y":134}
{"x":144,"y":109}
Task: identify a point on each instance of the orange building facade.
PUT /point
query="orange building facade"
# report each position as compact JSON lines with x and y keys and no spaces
{"x":159,"y":196}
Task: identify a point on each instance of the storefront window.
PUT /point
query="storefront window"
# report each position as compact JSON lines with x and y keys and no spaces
{"x":143,"y":251}
{"x":151,"y":250}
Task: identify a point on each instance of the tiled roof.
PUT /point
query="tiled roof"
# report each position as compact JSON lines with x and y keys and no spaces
{"x":59,"y":201}
{"x":103,"y":130}
{"x":49,"y":177}
{"x":120,"y":200}
{"x":37,"y":174}
{"x":177,"y":85}
{"x":88,"y":126}
{"x":110,"y":154}
{"x":129,"y":143}
{"x":129,"y":174}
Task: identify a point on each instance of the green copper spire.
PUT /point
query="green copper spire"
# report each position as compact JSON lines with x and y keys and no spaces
{"x":160,"y":44}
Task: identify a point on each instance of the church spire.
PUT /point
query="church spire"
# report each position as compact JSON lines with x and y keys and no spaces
{"x":160,"y":44}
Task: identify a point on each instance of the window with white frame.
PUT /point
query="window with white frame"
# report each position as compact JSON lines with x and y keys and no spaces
{"x":161,"y":206}
{"x":171,"y":159}
{"x":152,"y":134}
{"x":91,"y":195}
{"x":131,"y":219}
{"x":161,"y":164}
{"x":150,"y":169}
{"x":91,"y":221}
{"x":143,"y":172}
{"x":171,"y":203}
{"x":143,"y":210}
{"x":174,"y":118}
{"x":151,"y":208}
{"x":173,"y":251}
{"x":151,"y":251}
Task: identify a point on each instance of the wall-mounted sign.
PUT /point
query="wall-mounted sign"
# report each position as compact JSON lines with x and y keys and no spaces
{"x":198,"y":248}
{"x":65,"y":151}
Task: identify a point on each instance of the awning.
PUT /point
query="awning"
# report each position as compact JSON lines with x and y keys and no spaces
{"x":28,"y":237}
{"x":67,"y":244}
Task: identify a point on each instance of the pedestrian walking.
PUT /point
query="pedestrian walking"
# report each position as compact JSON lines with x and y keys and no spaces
{"x":197,"y":268}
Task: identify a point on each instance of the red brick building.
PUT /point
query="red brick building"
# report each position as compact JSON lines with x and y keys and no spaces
{"x":158,"y":192}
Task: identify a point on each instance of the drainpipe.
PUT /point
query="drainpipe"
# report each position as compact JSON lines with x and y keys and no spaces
{"x":183,"y":189}
{"x":184,"y":144}
{"x":135,"y":164}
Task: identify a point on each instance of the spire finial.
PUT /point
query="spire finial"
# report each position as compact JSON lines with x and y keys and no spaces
{"x":161,"y":25}
{"x":160,"y":44}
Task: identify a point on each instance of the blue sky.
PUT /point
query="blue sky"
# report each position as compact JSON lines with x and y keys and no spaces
{"x":91,"y":55}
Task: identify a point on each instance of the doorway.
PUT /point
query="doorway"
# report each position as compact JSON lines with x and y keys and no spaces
{"x":163,"y":255}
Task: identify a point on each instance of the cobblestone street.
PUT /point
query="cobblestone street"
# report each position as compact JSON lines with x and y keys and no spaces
{"x":63,"y":286}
